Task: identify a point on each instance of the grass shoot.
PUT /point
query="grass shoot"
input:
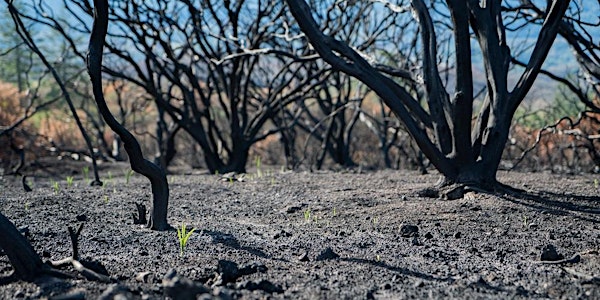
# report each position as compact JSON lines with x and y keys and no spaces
{"x":55,"y":186}
{"x":307,"y":215}
{"x":183,"y":235}
{"x":86,"y":173}
{"x":128,"y":175}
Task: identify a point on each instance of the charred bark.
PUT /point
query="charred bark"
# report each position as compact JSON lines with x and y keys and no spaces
{"x":26,"y":262}
{"x":156,"y":175}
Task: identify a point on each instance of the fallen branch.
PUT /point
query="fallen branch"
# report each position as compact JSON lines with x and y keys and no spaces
{"x":88,"y":273}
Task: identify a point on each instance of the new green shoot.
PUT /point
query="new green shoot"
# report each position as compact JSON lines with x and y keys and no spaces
{"x":183,"y":237}
{"x":596,"y":183}
{"x":86,"y":173}
{"x":307,"y":214}
{"x":105,"y":199}
{"x":258,"y":170}
{"x":69,"y":181}
{"x":55,"y":186}
{"x":128,"y":175}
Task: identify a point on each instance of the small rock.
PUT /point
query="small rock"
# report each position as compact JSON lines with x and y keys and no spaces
{"x":370,"y":295}
{"x":81,"y":218}
{"x":292,"y":209}
{"x":327,"y":254}
{"x":419,"y":284}
{"x":143,"y":277}
{"x":303,"y":256}
{"x":407,"y":230}
{"x":457,"y":235}
{"x":263,"y":285}
{"x":115,"y":291}
{"x":428,"y":235}
{"x":549,"y":254}
{"x":228,"y":271}
{"x":252,"y":268}
{"x":178,"y":287}
{"x":428,"y":193}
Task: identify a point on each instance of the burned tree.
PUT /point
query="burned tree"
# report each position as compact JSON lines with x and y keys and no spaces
{"x":27,"y":40}
{"x":156,"y":175}
{"x":466,"y":153}
{"x":221,"y":76}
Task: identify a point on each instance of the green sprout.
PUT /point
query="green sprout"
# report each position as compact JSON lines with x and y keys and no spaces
{"x":307,"y":214}
{"x":272,"y":180}
{"x":69,"y":181}
{"x":596,"y":183}
{"x":378,"y":258}
{"x":183,"y":237}
{"x":258,"y":163}
{"x":55,"y":186}
{"x":128,"y":175}
{"x":105,"y":199}
{"x":27,"y":206}
{"x":334,"y":212}
{"x":86,"y":172}
{"x":525,"y":221}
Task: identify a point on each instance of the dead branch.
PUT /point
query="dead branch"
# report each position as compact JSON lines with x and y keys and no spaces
{"x":141,"y":214}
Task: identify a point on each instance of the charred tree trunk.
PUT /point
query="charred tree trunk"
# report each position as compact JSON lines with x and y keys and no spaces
{"x":26,"y":262}
{"x":156,"y":175}
{"x":464,"y":154}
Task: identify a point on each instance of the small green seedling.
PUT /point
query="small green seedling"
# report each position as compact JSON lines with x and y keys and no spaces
{"x":69,"y":181}
{"x":128,"y":175}
{"x":86,"y":173}
{"x":183,"y":237}
{"x":105,"y":199}
{"x":378,"y":258}
{"x":334,"y":212}
{"x":596,"y":183}
{"x":27,"y":206}
{"x":55,"y":186}
{"x":307,"y":214}
{"x":272,"y":180}
{"x":525,"y":222}
{"x":258,"y":170}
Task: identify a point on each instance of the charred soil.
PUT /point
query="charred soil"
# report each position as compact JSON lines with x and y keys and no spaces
{"x":301,"y":235}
